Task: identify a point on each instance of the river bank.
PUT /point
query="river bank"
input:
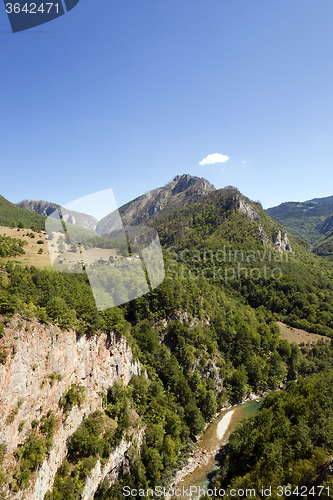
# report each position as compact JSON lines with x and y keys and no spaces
{"x":214,"y":435}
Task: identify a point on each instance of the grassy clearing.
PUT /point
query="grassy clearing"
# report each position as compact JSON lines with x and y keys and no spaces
{"x":298,"y":336}
{"x":32,"y":258}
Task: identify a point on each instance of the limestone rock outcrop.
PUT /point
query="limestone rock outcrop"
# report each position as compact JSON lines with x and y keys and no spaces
{"x":246,"y":208}
{"x":112,"y":469}
{"x":282,"y":243}
{"x":27,"y":391}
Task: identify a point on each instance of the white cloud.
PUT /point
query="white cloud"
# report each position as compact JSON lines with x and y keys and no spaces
{"x":222,"y":169}
{"x":243,"y":161}
{"x":214,"y":158}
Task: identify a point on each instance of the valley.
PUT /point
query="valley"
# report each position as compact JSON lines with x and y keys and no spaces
{"x":311,"y":220}
{"x":93,"y":401}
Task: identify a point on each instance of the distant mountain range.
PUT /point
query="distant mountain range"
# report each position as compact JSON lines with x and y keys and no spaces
{"x":181,"y":191}
{"x":179,"y":206}
{"x":46,"y":208}
{"x":176,"y":209}
{"x":311,"y":220}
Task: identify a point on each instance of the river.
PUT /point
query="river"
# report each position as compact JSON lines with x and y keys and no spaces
{"x":216,"y":435}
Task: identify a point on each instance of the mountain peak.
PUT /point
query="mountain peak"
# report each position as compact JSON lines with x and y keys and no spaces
{"x":181,"y":191}
{"x":185,"y":181}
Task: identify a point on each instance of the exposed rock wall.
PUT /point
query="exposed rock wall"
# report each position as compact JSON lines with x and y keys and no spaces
{"x":25,"y":385}
{"x":282,"y":243}
{"x":116,"y":463}
{"x":246,"y":208}
{"x":262,"y":234}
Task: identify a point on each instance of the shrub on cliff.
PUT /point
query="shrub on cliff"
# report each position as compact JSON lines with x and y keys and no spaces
{"x":3,"y":356}
{"x":33,"y":451}
{"x":88,"y":443}
{"x":3,"y":478}
{"x":31,"y":454}
{"x":74,"y":396}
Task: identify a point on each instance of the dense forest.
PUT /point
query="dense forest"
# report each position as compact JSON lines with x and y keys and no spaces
{"x":286,"y":443}
{"x":192,"y":370}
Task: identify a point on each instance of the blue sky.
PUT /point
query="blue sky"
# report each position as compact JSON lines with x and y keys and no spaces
{"x":126,"y":94}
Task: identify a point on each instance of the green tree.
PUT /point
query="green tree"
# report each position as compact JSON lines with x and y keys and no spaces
{"x":61,"y":244}
{"x":238,"y":384}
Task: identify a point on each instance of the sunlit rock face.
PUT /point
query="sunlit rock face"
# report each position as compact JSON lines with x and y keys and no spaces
{"x":117,"y":463}
{"x":246,"y":208}
{"x":282,"y":242}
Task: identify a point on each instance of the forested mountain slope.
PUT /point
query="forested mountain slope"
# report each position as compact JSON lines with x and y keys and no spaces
{"x":200,"y":347}
{"x":204,"y":337}
{"x":325,"y":246}
{"x":233,"y":243}
{"x":11,"y":214}
{"x":311,"y":220}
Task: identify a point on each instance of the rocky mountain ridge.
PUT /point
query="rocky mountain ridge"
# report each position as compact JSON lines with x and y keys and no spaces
{"x":181,"y":191}
{"x":70,"y":216}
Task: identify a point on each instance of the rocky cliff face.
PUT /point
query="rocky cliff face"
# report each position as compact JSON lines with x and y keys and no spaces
{"x":27,"y":391}
{"x":118,"y":461}
{"x":246,"y":209}
{"x":282,"y":243}
{"x":40,"y":207}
